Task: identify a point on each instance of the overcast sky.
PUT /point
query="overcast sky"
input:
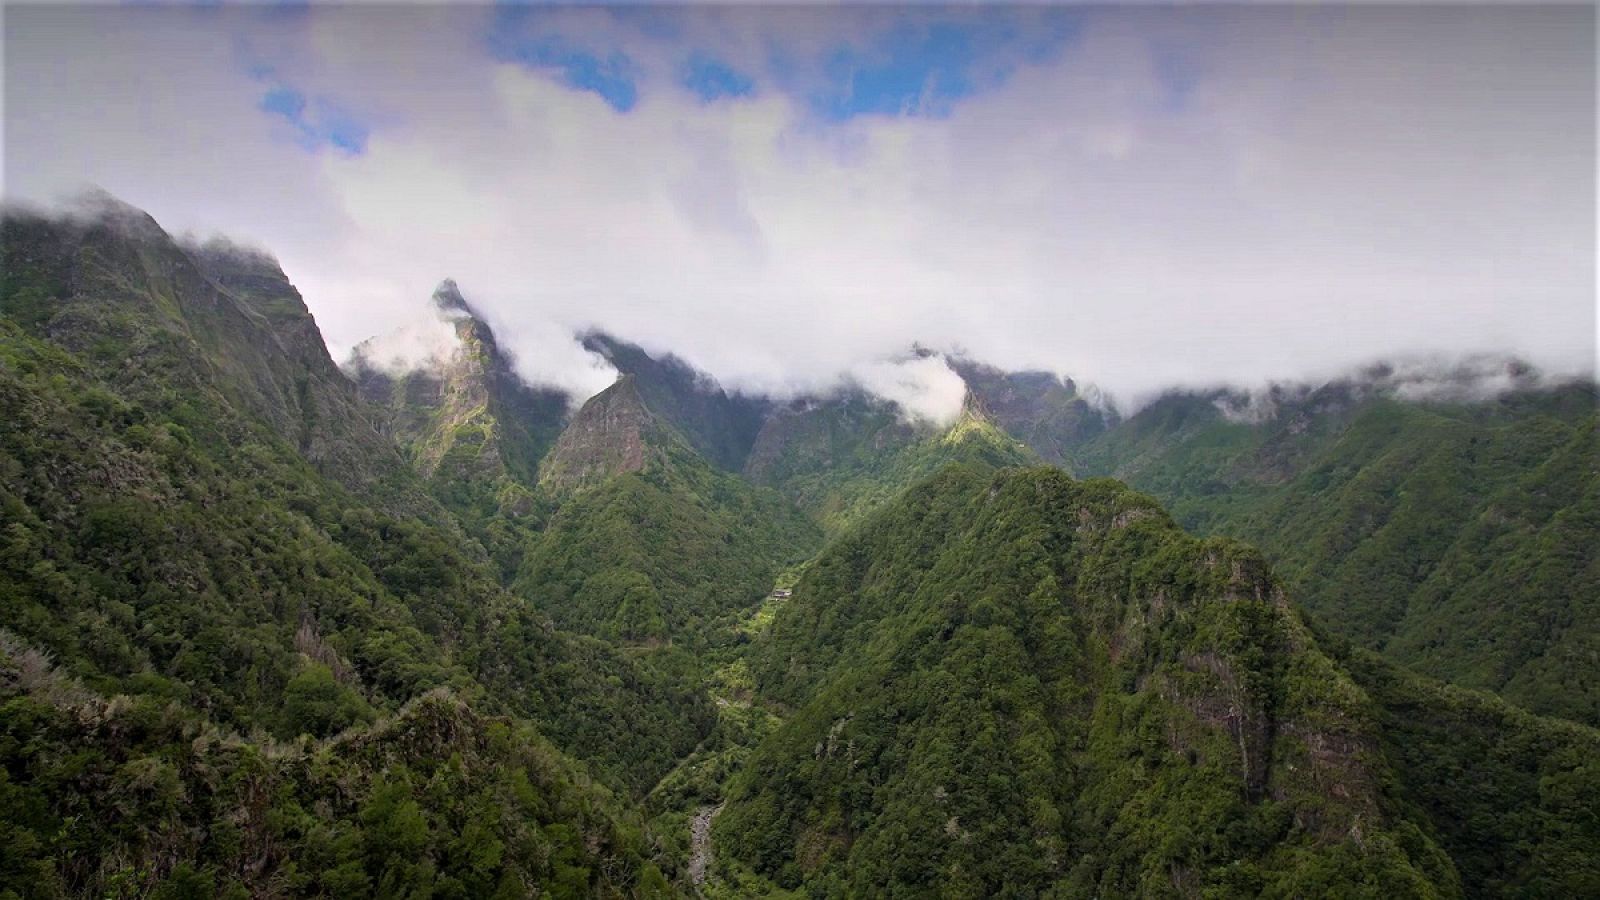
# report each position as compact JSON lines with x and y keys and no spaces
{"x":1132,"y":197}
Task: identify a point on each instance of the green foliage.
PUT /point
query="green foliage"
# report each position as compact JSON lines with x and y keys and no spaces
{"x":1514,"y":798}
{"x":246,"y":649}
{"x":845,"y":457}
{"x":170,"y":530}
{"x":678,"y":551}
{"x":316,"y":704}
{"x":1455,"y":538}
{"x":1007,"y":684}
{"x":137,"y":797}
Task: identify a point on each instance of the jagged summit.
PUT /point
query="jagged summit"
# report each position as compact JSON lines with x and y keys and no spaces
{"x":721,"y":426}
{"x":448,"y":300}
{"x":106,"y":280}
{"x":466,"y":417}
{"x":612,"y":434}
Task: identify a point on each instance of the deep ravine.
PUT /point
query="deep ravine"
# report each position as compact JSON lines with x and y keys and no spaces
{"x":700,"y":843}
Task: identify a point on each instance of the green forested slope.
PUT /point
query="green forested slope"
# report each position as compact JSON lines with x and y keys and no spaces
{"x":142,"y":796}
{"x":1014,"y":684}
{"x":249,"y":646}
{"x":1457,"y":538}
{"x":665,"y":552}
{"x":189,"y":524}
{"x":1511,"y":796}
{"x":843,"y":456}
{"x":1010,"y":684}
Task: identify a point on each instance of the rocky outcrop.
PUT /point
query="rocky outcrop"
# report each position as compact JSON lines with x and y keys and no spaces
{"x":719,"y":425}
{"x":1044,"y":411}
{"x":612,"y":434}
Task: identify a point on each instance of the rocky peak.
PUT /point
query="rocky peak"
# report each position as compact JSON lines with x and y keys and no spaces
{"x":448,"y":300}
{"x":719,"y":425}
{"x":1043,"y":410}
{"x":611,"y":435}
{"x":466,"y":415}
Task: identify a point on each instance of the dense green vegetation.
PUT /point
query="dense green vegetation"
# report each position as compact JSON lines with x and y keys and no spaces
{"x":178,"y":557}
{"x":676,"y":551}
{"x":1514,"y":798}
{"x":1457,"y":538}
{"x":169,"y":543}
{"x":843,"y":457}
{"x":1010,"y":684}
{"x":142,"y":797}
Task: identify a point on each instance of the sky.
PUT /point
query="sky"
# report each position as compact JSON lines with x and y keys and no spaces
{"x":1132,"y":197}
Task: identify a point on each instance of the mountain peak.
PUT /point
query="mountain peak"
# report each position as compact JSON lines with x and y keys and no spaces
{"x":720,"y":426}
{"x":447,"y":299}
{"x":610,"y":435}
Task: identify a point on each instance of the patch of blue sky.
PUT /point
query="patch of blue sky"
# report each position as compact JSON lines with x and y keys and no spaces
{"x":515,"y":36}
{"x":924,"y":66}
{"x":712,"y":79}
{"x":1178,"y":76}
{"x":317,"y":121}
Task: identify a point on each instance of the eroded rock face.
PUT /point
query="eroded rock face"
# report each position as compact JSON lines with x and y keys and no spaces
{"x":608,"y":436}
{"x":1042,"y":410}
{"x":719,"y":425}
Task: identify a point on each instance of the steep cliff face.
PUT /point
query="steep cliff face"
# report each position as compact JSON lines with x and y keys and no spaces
{"x":719,"y":425}
{"x":613,"y":434}
{"x":1044,"y":411}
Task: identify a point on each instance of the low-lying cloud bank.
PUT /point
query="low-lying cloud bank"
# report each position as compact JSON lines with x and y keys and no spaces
{"x":1161,"y":197}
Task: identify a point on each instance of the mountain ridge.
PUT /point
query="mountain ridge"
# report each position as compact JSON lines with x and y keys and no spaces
{"x":463,"y":642}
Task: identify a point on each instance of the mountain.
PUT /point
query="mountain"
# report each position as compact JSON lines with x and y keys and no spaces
{"x":1045,"y":412}
{"x":270,"y":627}
{"x":650,"y":540}
{"x":614,"y":433}
{"x":471,"y":427}
{"x":1454,"y":535}
{"x":1011,"y":683}
{"x":842,"y":455}
{"x":206,"y":532}
{"x":109,"y":286}
{"x":719,"y":426}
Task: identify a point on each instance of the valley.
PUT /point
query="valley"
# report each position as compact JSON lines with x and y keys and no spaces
{"x":273,"y":626}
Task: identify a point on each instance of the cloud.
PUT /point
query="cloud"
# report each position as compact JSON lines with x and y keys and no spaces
{"x":925,"y":388}
{"x":1134,"y":198}
{"x":426,"y":343}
